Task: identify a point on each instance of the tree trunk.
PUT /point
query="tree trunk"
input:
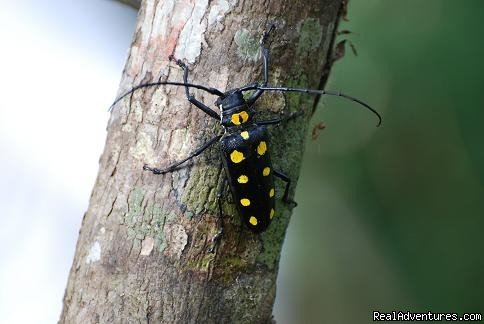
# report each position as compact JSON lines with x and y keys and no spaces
{"x":142,"y":249}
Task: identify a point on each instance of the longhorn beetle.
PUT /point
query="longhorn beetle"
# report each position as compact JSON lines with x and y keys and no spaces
{"x":244,"y":146}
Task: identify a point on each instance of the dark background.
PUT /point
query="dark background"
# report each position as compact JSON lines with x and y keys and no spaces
{"x":391,"y":218}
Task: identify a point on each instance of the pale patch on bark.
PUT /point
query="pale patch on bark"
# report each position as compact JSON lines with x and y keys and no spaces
{"x":177,"y":239}
{"x":219,"y":9}
{"x":147,"y":246}
{"x":127,"y":128}
{"x":94,"y":253}
{"x":181,"y":143}
{"x":143,"y":150}
{"x":190,"y":39}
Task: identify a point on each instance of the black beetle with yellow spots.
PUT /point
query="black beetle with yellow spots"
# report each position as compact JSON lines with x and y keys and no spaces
{"x":244,"y":146}
{"x":247,"y":163}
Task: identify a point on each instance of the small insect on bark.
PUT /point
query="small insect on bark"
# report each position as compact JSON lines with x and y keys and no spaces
{"x":244,"y":144}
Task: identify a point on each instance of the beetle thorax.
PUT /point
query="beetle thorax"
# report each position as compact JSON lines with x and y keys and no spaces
{"x":234,"y":110}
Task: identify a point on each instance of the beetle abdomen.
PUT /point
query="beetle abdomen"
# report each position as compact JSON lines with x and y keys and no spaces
{"x":248,"y":167}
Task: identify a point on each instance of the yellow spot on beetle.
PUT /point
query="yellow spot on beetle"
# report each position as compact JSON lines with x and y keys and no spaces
{"x":253,"y":220}
{"x":236,"y":156}
{"x":245,"y":202}
{"x":245,"y":135}
{"x":243,"y":179}
{"x":266,"y":171}
{"x":271,"y":215}
{"x":239,"y":118}
{"x":271,"y":193}
{"x":262,"y":148}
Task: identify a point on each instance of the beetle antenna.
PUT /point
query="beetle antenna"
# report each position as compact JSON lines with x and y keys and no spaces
{"x":174,"y":83}
{"x":320,"y":92}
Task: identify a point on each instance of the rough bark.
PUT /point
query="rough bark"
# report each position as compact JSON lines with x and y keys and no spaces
{"x":142,"y":249}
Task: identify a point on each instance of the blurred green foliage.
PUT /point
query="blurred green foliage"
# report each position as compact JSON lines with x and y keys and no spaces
{"x":391,"y":218}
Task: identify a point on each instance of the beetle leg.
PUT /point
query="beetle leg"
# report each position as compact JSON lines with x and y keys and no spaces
{"x":287,"y":180}
{"x":200,"y":105}
{"x":175,"y":165}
